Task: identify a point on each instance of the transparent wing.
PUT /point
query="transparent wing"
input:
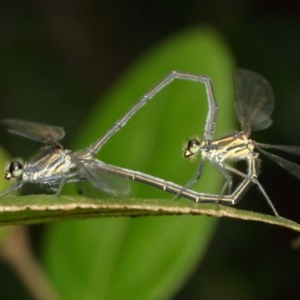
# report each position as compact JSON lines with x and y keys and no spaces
{"x":289,"y":166}
{"x":44,"y":133}
{"x":254,"y":100}
{"x":289,"y":149}
{"x":94,"y":171}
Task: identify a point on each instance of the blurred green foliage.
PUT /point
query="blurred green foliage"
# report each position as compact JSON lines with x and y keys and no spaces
{"x":58,"y":57}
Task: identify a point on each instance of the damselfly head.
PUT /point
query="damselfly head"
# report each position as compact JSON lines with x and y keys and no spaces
{"x":192,"y":148}
{"x":14,"y":170}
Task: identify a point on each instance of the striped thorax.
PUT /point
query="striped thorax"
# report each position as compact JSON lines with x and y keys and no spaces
{"x":52,"y":161}
{"x":236,"y":146}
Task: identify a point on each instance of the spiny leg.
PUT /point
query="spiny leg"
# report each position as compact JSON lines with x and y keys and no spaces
{"x":226,"y":175}
{"x":12,"y":189}
{"x":197,"y":175}
{"x":252,"y":177}
{"x":61,"y":184}
{"x":237,"y":194}
{"x":192,"y":181}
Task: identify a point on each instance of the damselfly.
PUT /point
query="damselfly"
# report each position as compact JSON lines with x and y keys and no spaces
{"x":254,"y":106}
{"x":55,"y":166}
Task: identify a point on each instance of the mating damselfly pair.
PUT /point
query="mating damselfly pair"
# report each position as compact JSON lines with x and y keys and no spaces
{"x":55,"y":166}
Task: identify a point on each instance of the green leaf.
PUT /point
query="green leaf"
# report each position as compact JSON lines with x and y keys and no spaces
{"x":48,"y":208}
{"x":3,"y":162}
{"x":3,"y":185}
{"x":146,"y":258}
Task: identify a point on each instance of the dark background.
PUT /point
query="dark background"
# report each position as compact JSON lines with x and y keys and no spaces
{"x":57,"y":55}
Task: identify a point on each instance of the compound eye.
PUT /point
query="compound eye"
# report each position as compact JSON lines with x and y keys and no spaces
{"x":14,"y":170}
{"x":192,"y":148}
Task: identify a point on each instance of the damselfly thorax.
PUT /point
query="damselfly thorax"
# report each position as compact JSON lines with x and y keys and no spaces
{"x":51,"y":162}
{"x":234,"y":146}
